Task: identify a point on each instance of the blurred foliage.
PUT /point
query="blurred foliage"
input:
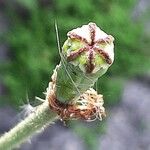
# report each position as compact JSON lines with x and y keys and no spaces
{"x":33,"y":45}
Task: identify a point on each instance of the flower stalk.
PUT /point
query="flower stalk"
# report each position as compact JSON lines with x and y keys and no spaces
{"x":34,"y":123}
{"x":86,"y":55}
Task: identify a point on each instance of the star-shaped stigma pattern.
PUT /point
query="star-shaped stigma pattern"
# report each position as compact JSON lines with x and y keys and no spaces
{"x":91,"y":46}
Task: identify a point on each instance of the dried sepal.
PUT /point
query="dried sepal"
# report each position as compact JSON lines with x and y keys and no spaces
{"x":89,"y":106}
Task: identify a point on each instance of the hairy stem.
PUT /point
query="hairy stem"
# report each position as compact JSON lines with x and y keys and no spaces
{"x":35,"y":122}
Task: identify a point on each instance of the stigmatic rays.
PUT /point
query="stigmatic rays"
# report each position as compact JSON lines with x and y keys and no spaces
{"x":89,"y":48}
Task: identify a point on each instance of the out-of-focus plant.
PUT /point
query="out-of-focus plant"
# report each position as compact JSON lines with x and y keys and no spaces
{"x":29,"y":36}
{"x":32,"y":41}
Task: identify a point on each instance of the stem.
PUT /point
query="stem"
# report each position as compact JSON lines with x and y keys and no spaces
{"x":36,"y":121}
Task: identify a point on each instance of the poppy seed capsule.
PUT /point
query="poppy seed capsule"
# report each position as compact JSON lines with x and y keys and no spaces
{"x":89,"y":48}
{"x":86,"y":55}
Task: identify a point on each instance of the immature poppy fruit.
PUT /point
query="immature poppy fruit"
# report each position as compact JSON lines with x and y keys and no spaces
{"x":89,"y":48}
{"x":86,"y":55}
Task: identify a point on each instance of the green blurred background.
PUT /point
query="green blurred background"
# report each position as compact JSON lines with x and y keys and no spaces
{"x":33,"y":52}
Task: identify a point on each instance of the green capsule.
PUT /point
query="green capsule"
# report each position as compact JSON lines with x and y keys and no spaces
{"x":87,"y":54}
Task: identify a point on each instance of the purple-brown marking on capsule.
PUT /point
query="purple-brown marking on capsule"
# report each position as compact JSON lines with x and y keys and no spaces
{"x":75,"y":36}
{"x":104,"y":54}
{"x":92,"y":28}
{"x":90,"y":66}
{"x":100,"y":41}
{"x":90,"y":47}
{"x":109,"y":39}
{"x":106,"y":40}
{"x":74,"y":55}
